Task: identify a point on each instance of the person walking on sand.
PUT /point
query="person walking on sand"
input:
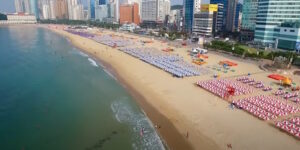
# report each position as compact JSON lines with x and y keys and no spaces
{"x":187,"y":134}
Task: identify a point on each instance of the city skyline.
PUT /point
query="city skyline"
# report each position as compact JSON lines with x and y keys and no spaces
{"x":9,"y":7}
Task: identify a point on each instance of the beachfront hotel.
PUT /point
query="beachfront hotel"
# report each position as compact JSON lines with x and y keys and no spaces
{"x":270,"y":15}
{"x":19,"y":18}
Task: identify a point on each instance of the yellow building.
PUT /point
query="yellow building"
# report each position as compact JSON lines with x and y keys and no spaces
{"x":209,"y":7}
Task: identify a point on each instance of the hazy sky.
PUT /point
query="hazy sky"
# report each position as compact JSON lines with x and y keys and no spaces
{"x":8,"y":5}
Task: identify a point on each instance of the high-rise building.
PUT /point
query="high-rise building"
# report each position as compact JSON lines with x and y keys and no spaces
{"x":149,"y":10}
{"x":249,"y":14}
{"x":188,"y":11}
{"x":34,"y":8}
{"x":205,"y":20}
{"x":101,"y":2}
{"x":231,"y":16}
{"x":61,"y":9}
{"x":26,"y":4}
{"x":238,"y":16}
{"x":46,"y":11}
{"x":129,"y":13}
{"x":248,"y":19}
{"x":101,"y":12}
{"x":113,"y":7}
{"x":225,"y":7}
{"x":270,"y":15}
{"x":167,"y":7}
{"x":197,"y":5}
{"x":91,"y":9}
{"x":19,"y":6}
{"x":220,"y":18}
{"x":155,"y":10}
{"x":75,"y":10}
{"x":52,"y":7}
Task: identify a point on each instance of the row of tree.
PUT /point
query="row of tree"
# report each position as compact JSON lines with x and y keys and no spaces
{"x":243,"y":52}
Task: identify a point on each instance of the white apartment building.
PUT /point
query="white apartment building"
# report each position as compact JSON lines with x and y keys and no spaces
{"x":155,"y":10}
{"x":19,"y":19}
{"x":46,"y":12}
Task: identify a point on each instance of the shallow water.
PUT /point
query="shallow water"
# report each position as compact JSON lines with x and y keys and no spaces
{"x":52,"y":96}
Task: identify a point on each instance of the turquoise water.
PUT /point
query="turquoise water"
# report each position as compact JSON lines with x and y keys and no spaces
{"x":54,"y":97}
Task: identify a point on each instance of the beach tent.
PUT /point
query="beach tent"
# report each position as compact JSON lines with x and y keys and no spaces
{"x":283,"y":79}
{"x":276,"y":77}
{"x":228,"y":63}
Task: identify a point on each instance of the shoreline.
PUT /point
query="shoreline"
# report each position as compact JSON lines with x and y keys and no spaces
{"x":207,"y":118}
{"x":175,"y":140}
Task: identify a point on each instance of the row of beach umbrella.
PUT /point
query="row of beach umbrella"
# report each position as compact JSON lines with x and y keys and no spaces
{"x":252,"y":82}
{"x":220,"y":87}
{"x":112,"y":41}
{"x":265,"y":107}
{"x":168,"y":62}
{"x":291,"y":126}
{"x":80,"y":33}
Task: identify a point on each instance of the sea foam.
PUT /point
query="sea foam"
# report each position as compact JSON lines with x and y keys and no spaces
{"x":93,"y":62}
{"x":124,"y":113}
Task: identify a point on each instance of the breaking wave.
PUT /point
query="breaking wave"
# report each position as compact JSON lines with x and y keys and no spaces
{"x":93,"y":62}
{"x":124,"y":113}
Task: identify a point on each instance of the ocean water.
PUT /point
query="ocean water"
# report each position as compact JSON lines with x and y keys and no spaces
{"x":54,"y":97}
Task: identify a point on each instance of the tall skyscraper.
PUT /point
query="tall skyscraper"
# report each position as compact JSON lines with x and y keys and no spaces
{"x":188,"y":11}
{"x":220,"y":19}
{"x":249,"y":14}
{"x":52,"y":9}
{"x":225,"y":7}
{"x":149,"y":10}
{"x":75,"y":10}
{"x":61,"y":9}
{"x":46,"y":11}
{"x":26,"y":4}
{"x":117,"y":10}
{"x":270,"y":15}
{"x":231,"y":15}
{"x":19,"y":6}
{"x":91,"y":9}
{"x":129,"y":13}
{"x":248,"y":19}
{"x":155,"y":10}
{"x":101,"y":12}
{"x":238,"y":15}
{"x":34,"y":8}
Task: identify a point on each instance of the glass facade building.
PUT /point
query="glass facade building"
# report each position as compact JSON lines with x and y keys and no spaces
{"x":102,"y":2}
{"x":188,"y":11}
{"x":34,"y":8}
{"x":225,"y":7}
{"x":239,"y":8}
{"x":91,"y":9}
{"x":249,"y":14}
{"x":270,"y":15}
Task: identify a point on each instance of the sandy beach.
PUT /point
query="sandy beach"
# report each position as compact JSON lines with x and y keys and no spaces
{"x":180,"y":107}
